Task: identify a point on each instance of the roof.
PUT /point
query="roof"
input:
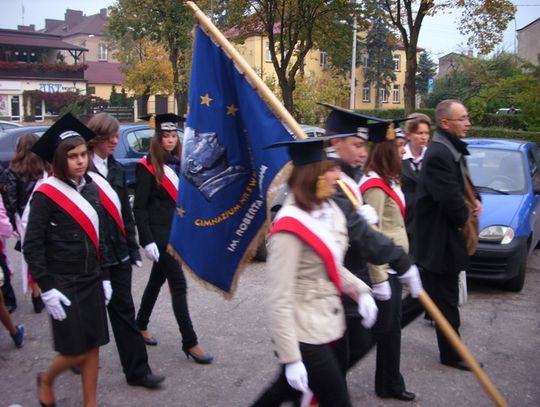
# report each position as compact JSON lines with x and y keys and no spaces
{"x":104,"y":73}
{"x":528,"y":25}
{"x":496,"y":143}
{"x":34,"y":39}
{"x":87,"y":25}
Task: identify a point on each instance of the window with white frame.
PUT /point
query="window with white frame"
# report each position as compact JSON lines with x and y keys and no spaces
{"x":366,"y":92}
{"x":396,"y":94}
{"x":268,"y":54}
{"x":102,"y":52}
{"x":323,"y":60}
{"x":383,"y":95}
{"x":397,"y":63}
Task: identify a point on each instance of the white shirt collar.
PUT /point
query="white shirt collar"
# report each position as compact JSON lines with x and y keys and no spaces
{"x":101,"y":164}
{"x":408,"y":154}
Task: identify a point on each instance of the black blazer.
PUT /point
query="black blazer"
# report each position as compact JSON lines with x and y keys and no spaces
{"x":409,"y":181}
{"x":153,"y":209}
{"x":441,"y":210}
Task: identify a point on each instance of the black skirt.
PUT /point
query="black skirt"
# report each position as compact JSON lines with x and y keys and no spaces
{"x":86,"y":324}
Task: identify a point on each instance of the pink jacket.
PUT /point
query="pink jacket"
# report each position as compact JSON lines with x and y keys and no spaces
{"x":5,"y":225}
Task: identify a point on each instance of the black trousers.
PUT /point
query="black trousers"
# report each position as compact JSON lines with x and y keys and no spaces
{"x":444,"y":291}
{"x":325,"y":365}
{"x":10,"y":300}
{"x":386,"y":334}
{"x":168,"y":269}
{"x":129,"y":342}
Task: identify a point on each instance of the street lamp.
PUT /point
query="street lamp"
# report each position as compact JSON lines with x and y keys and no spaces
{"x":352,"y":100}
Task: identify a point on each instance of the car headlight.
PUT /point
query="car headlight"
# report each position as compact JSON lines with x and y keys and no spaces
{"x":497,"y":234}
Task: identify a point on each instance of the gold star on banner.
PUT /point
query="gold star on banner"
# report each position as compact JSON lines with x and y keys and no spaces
{"x":231,"y":110}
{"x":181,"y":212}
{"x":206,"y":99}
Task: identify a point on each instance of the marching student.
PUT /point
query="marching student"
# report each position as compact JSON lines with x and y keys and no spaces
{"x":306,"y":247}
{"x":63,"y":247}
{"x":380,"y":187}
{"x":155,"y":201}
{"x":110,"y":178}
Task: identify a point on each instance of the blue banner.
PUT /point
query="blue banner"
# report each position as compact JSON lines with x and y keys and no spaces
{"x":226,"y":171}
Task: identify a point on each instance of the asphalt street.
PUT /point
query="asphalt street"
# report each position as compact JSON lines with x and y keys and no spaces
{"x":501,"y":329}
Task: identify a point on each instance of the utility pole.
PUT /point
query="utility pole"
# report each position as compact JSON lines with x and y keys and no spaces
{"x":353,"y":66}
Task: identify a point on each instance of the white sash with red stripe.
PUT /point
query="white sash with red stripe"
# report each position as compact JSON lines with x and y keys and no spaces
{"x":75,"y":205}
{"x":109,"y":199}
{"x":372,"y":180}
{"x":170,"y":180}
{"x":315,"y":234}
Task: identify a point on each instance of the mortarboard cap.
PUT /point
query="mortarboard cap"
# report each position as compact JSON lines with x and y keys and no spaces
{"x":310,"y":150}
{"x":341,"y":121}
{"x":164,"y":121}
{"x":386,"y":130}
{"x":65,"y":127}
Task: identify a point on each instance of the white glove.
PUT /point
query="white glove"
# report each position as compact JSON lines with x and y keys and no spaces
{"x":152,"y":252}
{"x":107,"y":290}
{"x":411,"y":278}
{"x":369,"y":213}
{"x":296,"y":375}
{"x":53,"y":300}
{"x":382,"y":291}
{"x":367,"y":309}
{"x":138,"y":263}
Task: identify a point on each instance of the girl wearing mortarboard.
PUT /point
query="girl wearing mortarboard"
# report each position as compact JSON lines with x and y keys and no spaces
{"x":306,"y":279}
{"x":64,"y":251}
{"x":155,"y":201}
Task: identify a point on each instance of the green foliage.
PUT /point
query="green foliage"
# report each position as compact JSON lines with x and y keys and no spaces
{"x":307,"y":109}
{"x":113,"y":99}
{"x":426,"y":71}
{"x":507,"y":121}
{"x":494,"y":132}
{"x":395,"y":113}
{"x":73,"y":108}
{"x":379,"y":44}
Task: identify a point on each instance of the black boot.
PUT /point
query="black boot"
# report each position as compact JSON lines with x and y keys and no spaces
{"x":38,"y":304}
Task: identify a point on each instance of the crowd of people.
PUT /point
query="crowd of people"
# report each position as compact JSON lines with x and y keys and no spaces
{"x":349,"y":252}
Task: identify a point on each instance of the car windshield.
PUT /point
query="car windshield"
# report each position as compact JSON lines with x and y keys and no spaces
{"x":497,"y":171}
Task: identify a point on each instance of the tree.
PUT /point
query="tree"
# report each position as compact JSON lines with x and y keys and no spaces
{"x":484,"y":21}
{"x":165,"y":22}
{"x":293,"y":28}
{"x":379,"y":69}
{"x":113,"y":98}
{"x":426,"y":71}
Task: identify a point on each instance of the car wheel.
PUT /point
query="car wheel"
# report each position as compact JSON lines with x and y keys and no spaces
{"x":516,"y":284}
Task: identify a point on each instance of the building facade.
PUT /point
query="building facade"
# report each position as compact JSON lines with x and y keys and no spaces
{"x":528,"y":39}
{"x":31,"y":67}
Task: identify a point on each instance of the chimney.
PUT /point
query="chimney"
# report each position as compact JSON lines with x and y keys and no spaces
{"x":73,"y":17}
{"x":103,"y":13}
{"x":30,"y":27}
{"x":51,"y":24}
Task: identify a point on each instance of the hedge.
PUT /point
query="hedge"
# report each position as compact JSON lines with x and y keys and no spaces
{"x":395,"y":113}
{"x":507,"y":121}
{"x":494,"y":132}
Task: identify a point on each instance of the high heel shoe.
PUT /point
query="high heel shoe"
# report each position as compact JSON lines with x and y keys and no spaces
{"x":201,"y":359}
{"x":41,"y":403}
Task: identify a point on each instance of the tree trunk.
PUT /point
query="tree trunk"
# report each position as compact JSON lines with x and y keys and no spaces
{"x":410,"y":79}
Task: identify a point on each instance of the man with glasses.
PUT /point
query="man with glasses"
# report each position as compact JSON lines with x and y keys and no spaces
{"x":441,"y":213}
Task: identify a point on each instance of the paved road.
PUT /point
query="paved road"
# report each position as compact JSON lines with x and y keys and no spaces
{"x":501,"y":329}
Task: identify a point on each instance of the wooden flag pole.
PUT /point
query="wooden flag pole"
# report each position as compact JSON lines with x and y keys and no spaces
{"x":461,"y":349}
{"x":283,"y":114}
{"x":271,"y":100}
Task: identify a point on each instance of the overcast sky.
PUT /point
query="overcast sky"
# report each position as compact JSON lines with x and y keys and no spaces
{"x":438,"y":36}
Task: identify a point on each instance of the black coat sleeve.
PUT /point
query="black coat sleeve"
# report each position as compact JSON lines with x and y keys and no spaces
{"x":35,"y":236}
{"x":129,"y":222}
{"x":143,"y":190}
{"x":373,"y":247}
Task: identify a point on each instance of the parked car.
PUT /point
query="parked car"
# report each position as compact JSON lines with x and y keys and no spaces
{"x":8,"y":141}
{"x":4,"y":125}
{"x":133,"y":144}
{"x":507,"y":175}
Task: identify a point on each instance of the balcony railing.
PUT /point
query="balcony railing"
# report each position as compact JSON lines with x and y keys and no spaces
{"x":41,"y":71}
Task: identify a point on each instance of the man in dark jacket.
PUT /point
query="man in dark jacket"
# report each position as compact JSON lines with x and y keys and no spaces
{"x":123,"y":251}
{"x":441,"y":213}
